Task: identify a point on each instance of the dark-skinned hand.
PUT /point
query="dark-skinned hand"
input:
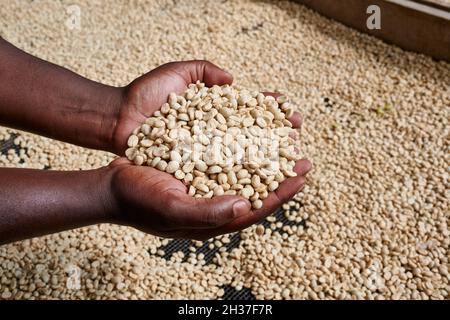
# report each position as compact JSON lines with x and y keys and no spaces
{"x":156,"y":202}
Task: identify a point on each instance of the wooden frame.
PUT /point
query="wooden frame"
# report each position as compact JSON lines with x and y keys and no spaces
{"x":418,"y":26}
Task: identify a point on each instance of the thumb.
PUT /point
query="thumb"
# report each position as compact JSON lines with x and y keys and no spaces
{"x":210,"y":213}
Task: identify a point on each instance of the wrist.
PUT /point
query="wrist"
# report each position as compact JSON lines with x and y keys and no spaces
{"x":112,"y":101}
{"x":109,"y":210}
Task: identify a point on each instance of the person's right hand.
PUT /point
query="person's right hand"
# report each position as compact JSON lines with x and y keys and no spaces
{"x":157,"y":203}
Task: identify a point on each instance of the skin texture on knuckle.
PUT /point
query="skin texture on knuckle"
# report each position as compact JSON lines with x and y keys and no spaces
{"x":189,"y":70}
{"x":197,"y":69}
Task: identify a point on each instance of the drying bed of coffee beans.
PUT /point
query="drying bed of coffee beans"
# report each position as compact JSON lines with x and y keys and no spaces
{"x":373,"y":220}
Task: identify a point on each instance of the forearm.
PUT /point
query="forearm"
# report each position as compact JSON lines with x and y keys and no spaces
{"x":46,"y":99}
{"x":34,"y":202}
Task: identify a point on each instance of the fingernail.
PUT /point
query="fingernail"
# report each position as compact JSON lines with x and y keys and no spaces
{"x":240,"y":208}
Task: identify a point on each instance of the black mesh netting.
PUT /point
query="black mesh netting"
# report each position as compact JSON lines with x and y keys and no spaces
{"x":231,"y":293}
{"x":6,"y":145}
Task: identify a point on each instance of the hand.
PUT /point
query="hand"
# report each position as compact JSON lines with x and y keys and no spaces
{"x":156,"y":202}
{"x":145,"y":95}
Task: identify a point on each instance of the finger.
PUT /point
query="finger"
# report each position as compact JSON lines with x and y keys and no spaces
{"x":203,"y":71}
{"x":213,"y":75}
{"x":296,"y":120}
{"x":285,"y":191}
{"x":208,"y":213}
{"x":289,"y":187}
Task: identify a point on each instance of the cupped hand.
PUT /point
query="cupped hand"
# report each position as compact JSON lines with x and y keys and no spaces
{"x":156,"y":202}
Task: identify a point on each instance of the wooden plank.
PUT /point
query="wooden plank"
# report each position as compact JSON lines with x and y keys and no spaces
{"x":410,"y":25}
{"x":440,"y":4}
